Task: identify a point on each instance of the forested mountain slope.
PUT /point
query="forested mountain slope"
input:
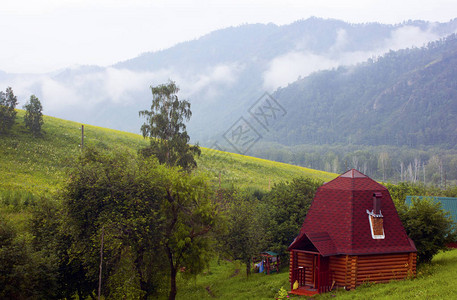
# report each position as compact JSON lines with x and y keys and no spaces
{"x":407,"y":97}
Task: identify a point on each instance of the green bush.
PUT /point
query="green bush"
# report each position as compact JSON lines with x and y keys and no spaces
{"x":429,"y":226}
{"x":286,"y":206}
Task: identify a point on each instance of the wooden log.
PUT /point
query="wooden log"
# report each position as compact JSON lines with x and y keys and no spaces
{"x":399,"y":260}
{"x":382,"y":276}
{"x":365,"y":259}
{"x":383,"y":266}
{"x":367,"y":274}
{"x":377,"y":279}
{"x":385,"y":255}
{"x":386,"y":261}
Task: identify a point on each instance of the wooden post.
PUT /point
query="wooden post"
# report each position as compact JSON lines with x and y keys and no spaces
{"x":294,"y":268}
{"x":82,"y":137}
{"x":313,"y":271}
{"x":101,"y":264}
{"x":318,"y":273}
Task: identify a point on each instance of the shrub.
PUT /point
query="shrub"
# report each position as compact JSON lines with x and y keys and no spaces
{"x":429,"y":226}
{"x":286,"y":206}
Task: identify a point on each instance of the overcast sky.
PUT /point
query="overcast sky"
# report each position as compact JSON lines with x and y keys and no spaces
{"x":44,"y":35}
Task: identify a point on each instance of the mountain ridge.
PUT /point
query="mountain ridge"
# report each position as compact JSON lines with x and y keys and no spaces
{"x":222,"y":73}
{"x":375,"y":97}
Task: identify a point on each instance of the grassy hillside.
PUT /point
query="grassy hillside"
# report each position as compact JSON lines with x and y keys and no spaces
{"x":38,"y":165}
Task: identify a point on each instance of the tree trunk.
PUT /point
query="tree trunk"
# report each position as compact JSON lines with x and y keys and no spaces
{"x":144,"y":284}
{"x":248,"y":268}
{"x":173,"y":289}
{"x":80,"y":293}
{"x":173,"y":270}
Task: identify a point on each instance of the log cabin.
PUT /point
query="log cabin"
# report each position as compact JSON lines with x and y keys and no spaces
{"x":352,"y":234}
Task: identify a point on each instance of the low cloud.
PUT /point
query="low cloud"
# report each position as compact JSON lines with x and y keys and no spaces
{"x":59,"y":93}
{"x":410,"y":36}
{"x":206,"y":83}
{"x":287,"y":68}
{"x":56,"y":96}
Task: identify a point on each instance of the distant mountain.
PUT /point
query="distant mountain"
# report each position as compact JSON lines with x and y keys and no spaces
{"x":404,"y":98}
{"x":222,"y":73}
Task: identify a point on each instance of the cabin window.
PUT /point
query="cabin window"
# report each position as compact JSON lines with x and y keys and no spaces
{"x":375,"y":218}
{"x":376,"y":225}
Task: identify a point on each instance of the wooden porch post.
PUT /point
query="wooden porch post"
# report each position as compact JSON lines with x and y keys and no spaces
{"x":313,"y":271}
{"x":292,"y":269}
{"x":317,"y":272}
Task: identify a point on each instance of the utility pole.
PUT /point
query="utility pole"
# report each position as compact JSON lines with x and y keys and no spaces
{"x":82,"y":137}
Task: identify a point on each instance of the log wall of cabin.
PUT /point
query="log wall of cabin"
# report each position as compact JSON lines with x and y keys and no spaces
{"x":383,"y":268}
{"x":350,"y":270}
{"x":340,"y":269}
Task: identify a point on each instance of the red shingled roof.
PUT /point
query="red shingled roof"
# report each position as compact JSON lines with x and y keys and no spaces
{"x":337,"y":221}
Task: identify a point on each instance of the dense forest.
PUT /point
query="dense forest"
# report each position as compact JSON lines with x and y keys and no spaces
{"x":432,"y":166}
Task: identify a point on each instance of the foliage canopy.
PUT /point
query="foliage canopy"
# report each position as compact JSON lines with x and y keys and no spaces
{"x":244,"y":235}
{"x":429,"y":226}
{"x":8,"y":102}
{"x":154,"y":219}
{"x":33,"y":118}
{"x":286,"y":206}
{"x":166,"y":129}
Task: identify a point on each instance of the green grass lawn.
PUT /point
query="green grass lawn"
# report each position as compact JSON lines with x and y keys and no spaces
{"x":434,"y":281}
{"x":228,"y":280}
